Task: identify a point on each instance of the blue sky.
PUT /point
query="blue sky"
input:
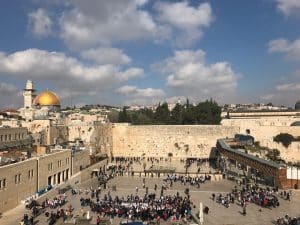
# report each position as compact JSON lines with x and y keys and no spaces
{"x":144,"y":51}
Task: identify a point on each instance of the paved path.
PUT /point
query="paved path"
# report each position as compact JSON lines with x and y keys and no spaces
{"x":218,"y":214}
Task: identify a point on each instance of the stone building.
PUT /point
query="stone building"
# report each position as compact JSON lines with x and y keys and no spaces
{"x":12,"y":137}
{"x":24,"y":179}
{"x":17,"y":182}
{"x":54,"y":168}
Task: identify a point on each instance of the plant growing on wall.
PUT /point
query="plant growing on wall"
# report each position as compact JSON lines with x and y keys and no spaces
{"x":285,"y":139}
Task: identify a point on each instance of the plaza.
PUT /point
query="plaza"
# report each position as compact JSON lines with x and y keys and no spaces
{"x":126,"y":185}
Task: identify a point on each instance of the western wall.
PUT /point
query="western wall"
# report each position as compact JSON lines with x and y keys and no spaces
{"x":125,"y":140}
{"x":160,"y":140}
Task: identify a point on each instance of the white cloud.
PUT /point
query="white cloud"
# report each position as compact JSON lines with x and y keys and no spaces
{"x":10,"y":96}
{"x":287,"y":93}
{"x":291,"y":49}
{"x":185,"y":18}
{"x":288,"y":7}
{"x":103,"y":55}
{"x":44,"y":65}
{"x":188,"y":74}
{"x":288,"y":87}
{"x":71,"y":77}
{"x":40,"y":23}
{"x":267,"y":97}
{"x":92,"y":23}
{"x":133,"y":91}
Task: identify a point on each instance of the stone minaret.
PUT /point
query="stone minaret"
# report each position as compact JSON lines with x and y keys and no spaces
{"x":28,"y":95}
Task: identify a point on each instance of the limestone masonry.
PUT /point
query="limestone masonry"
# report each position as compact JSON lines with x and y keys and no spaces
{"x":123,"y":140}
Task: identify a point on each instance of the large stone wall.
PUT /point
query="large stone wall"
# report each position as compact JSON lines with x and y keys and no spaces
{"x":80,"y":161}
{"x":160,"y":140}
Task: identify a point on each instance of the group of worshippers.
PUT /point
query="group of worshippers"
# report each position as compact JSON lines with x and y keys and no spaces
{"x":145,"y":208}
{"x":186,"y":179}
{"x":265,"y":197}
{"x":287,"y":220}
{"x":48,"y":204}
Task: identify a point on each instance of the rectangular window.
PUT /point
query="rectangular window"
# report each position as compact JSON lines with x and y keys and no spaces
{"x":0,"y":184}
{"x":29,"y":174}
{"x":9,"y":137}
{"x":19,"y":178}
{"x":1,"y":138}
{"x":16,"y":179}
{"x":4,"y":183}
{"x":49,"y":168}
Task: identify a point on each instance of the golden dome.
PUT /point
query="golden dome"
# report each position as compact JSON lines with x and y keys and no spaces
{"x":47,"y":98}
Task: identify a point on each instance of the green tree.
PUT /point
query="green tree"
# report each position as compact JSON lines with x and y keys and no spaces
{"x":123,"y":116}
{"x":177,"y":114}
{"x":113,"y":116}
{"x":162,"y":114}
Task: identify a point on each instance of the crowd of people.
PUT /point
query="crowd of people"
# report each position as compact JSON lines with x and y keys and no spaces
{"x":145,"y":208}
{"x":186,"y":179}
{"x":57,"y":203}
{"x":287,"y":220}
{"x":264,"y":197}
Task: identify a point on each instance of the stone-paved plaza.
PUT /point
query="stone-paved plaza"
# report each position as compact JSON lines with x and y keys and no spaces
{"x":218,"y":214}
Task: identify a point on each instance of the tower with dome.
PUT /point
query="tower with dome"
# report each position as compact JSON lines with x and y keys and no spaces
{"x":38,"y":106}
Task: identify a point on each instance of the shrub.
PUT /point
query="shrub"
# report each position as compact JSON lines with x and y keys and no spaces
{"x":284,"y":138}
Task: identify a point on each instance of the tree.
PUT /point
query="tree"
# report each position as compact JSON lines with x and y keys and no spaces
{"x":113,"y":116}
{"x":123,"y":116}
{"x":176,"y":114}
{"x":188,"y":114}
{"x":162,"y":114}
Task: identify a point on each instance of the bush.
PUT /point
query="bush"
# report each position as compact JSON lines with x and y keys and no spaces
{"x":284,"y":138}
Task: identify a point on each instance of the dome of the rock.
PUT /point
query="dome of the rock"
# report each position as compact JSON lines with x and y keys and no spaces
{"x":47,"y":98}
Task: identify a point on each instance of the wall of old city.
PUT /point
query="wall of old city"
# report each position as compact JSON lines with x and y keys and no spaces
{"x":17,"y":182}
{"x":80,"y":160}
{"x":103,"y":137}
{"x":57,"y":134}
{"x":160,"y":140}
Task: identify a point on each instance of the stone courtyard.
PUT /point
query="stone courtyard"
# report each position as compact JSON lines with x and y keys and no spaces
{"x":218,"y":214}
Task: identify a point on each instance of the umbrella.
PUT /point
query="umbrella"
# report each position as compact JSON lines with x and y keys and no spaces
{"x":201,"y":213}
